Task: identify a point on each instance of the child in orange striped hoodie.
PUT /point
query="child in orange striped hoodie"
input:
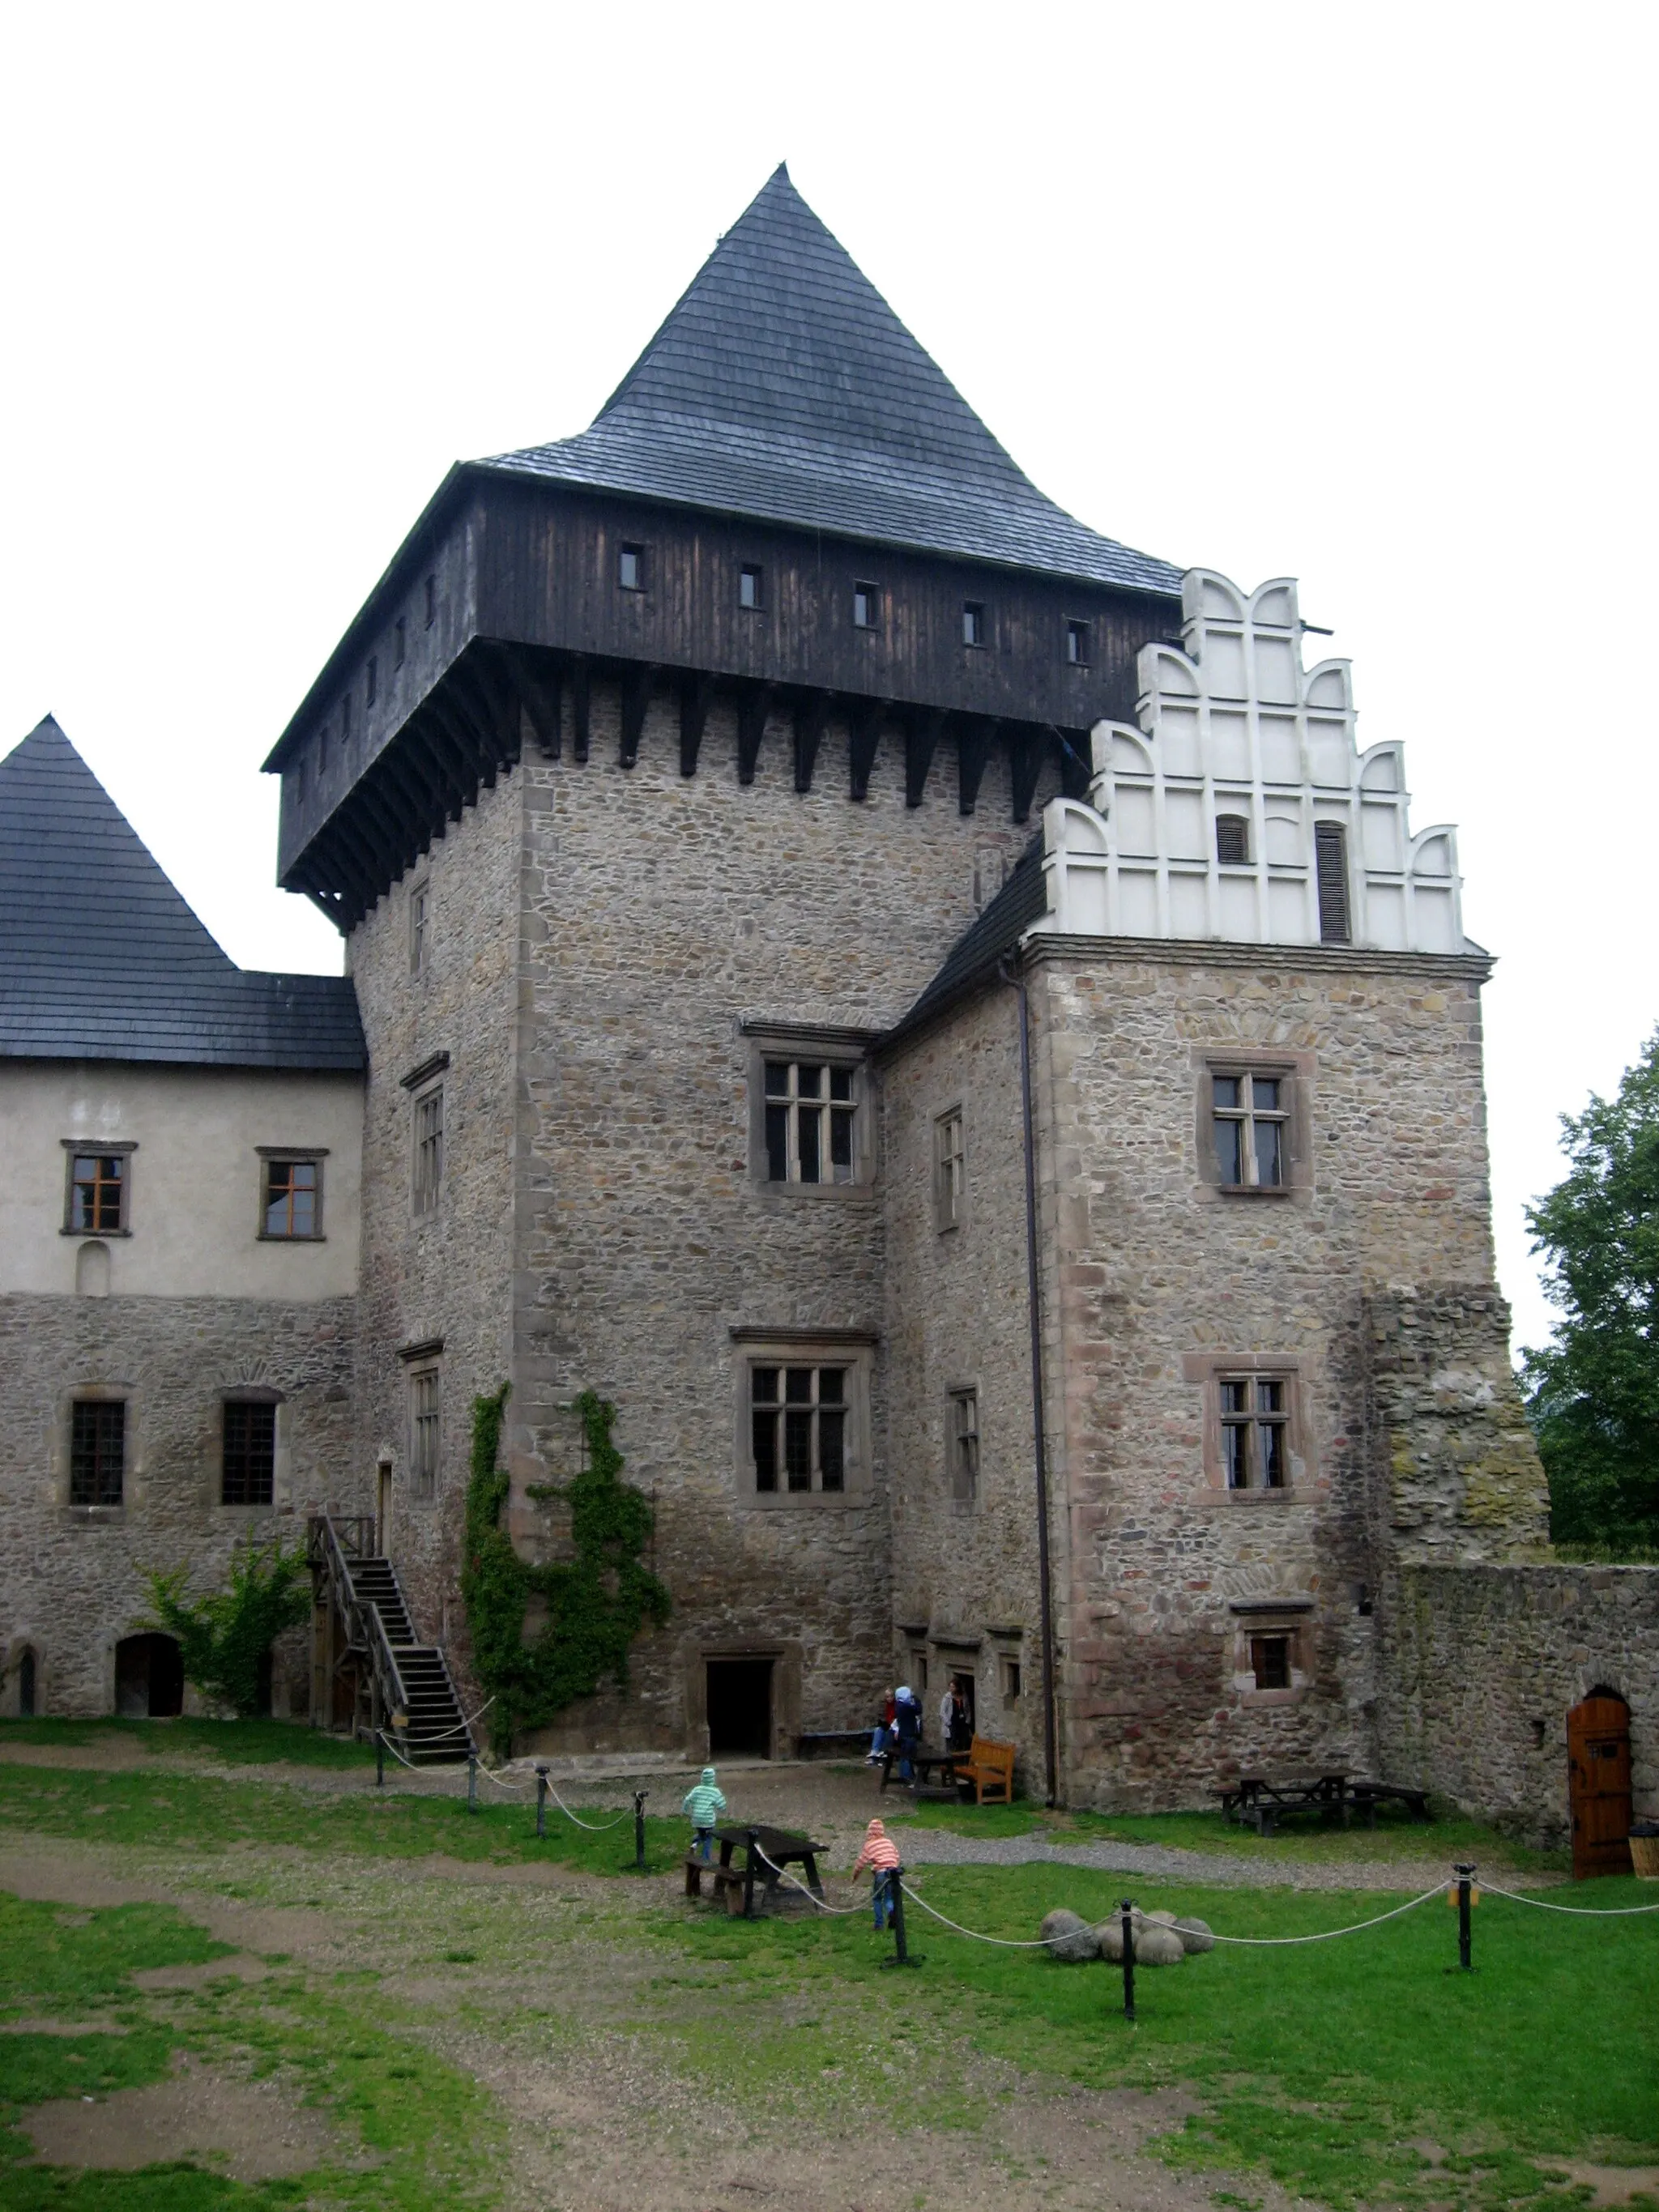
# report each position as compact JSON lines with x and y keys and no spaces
{"x":881,"y":1856}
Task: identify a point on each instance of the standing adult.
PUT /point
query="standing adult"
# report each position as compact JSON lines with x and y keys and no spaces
{"x":906,"y":1727}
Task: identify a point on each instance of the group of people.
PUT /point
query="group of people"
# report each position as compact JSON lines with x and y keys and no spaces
{"x":898,"y":1732}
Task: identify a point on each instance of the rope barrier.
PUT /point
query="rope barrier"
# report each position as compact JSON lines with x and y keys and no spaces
{"x":1579,"y":1912}
{"x":396,"y":1754}
{"x":1324,"y":1935}
{"x":839,"y":1910}
{"x":463,"y":1727}
{"x":593,"y":1827}
{"x":1002,"y":1942}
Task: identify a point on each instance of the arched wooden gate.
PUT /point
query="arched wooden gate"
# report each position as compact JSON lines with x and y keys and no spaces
{"x":1598,"y":1784}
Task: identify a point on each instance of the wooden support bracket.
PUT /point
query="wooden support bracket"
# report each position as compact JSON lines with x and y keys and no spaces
{"x":812,"y":716}
{"x":1025,"y":766}
{"x":636,"y":699}
{"x":921,"y":731}
{"x":973,"y":750}
{"x":864,"y":736}
{"x":753,"y":705}
{"x":581,"y":705}
{"x":696,"y":693}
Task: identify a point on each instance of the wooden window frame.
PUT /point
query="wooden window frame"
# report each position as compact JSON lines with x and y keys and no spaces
{"x":248,"y":1402}
{"x":290,"y":1156}
{"x":425,"y":1390}
{"x":845,"y":1051}
{"x":420,"y":924}
{"x":962,"y":1449}
{"x":630,"y":549}
{"x":976,"y":625}
{"x":427,"y":1161}
{"x":949,"y":1169}
{"x":851,"y":1351}
{"x":1243,"y":1112}
{"x":872,"y":596}
{"x":751,"y":571}
{"x":1210,"y":1370}
{"x":98,"y":1401}
{"x":1077,"y":639}
{"x":1263,"y":1621}
{"x":1294,"y":1072}
{"x":102,"y":1148}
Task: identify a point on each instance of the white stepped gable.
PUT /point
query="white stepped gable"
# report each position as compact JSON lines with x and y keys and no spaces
{"x":1234,"y":731}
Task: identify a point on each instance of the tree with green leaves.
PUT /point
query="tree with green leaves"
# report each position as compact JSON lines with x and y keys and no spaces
{"x":224,"y":1636}
{"x":1593,"y":1393}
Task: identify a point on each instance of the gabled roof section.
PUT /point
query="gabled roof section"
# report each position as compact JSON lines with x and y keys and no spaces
{"x":783,"y":387}
{"x":102,"y":959}
{"x":1023,"y":900}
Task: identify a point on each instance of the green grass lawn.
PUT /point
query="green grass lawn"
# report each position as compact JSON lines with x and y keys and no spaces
{"x":238,"y":1743}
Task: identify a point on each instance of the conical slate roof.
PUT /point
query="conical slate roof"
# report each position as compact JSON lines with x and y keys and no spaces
{"x":783,"y":387}
{"x":102,"y":959}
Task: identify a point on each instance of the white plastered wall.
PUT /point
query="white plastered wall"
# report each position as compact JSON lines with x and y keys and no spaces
{"x":1234,"y":725}
{"x":194,"y":1199}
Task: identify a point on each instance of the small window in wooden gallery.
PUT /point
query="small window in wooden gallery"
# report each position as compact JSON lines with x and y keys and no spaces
{"x":431,"y":601}
{"x":1077,"y":644}
{"x":293,"y":1198}
{"x":798,"y":1428}
{"x":399,"y":641}
{"x":248,"y":1458}
{"x":630,"y":567}
{"x":1250,"y":1116}
{"x":964,"y":1447}
{"x":748,"y":587}
{"x":950,"y":1162}
{"x":420,"y":913}
{"x":1270,"y":1662}
{"x":372,"y":679}
{"x":429,"y":1150}
{"x":98,"y":1440}
{"x":98,"y":1187}
{"x":1232,"y":841}
{"x":973,"y":623}
{"x":810,"y":1110}
{"x":424,"y":1412}
{"x":1331,"y":867}
{"x":867,"y":605}
{"x":345,"y":720}
{"x":322,"y":751}
{"x":1254,"y":1421}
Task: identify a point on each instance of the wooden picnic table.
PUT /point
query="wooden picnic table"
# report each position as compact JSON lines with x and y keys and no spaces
{"x":926,"y":1762}
{"x":1261,"y":1804}
{"x":737,"y":1883}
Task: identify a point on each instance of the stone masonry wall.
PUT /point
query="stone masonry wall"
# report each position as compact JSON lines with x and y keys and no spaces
{"x":71,"y":1582}
{"x":1156,"y":1276}
{"x":957,"y":1316}
{"x":1481,"y":1666}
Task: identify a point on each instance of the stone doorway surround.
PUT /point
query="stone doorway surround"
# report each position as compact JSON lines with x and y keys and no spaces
{"x":785,"y":1653}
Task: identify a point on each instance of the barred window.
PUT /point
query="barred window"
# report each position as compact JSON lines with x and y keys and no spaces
{"x":424,"y":1410}
{"x":98,"y":1444}
{"x":98,"y":1192}
{"x":429,"y":1150}
{"x":1250,"y":1113}
{"x":810,"y":1107}
{"x":293,"y":1198}
{"x":248,"y":1461}
{"x":950,"y":1162}
{"x":798,"y":1428}
{"x":1253,"y":1421}
{"x":964,"y":1447}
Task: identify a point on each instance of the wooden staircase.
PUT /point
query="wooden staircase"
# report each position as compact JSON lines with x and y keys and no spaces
{"x":406,"y":1684}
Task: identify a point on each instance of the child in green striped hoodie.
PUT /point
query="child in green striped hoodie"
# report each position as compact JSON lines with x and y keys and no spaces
{"x":705,"y":1801}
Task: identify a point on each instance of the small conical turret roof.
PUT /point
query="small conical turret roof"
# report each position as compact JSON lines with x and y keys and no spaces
{"x":783,"y":387}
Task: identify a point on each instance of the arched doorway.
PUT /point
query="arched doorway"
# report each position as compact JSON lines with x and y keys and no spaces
{"x":149,"y":1678}
{"x":1598,"y":1784}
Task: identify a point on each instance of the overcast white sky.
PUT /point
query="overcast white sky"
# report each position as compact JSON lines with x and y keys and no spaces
{"x":1356,"y":295}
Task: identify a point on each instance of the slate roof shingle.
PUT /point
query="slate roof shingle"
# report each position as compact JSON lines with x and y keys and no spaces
{"x":783,"y":387}
{"x":102,"y":959}
{"x":1023,"y":900}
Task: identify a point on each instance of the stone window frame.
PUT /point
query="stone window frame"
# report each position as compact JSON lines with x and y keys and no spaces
{"x":99,"y":1148}
{"x":834,"y":1048}
{"x":298,"y":1156}
{"x":963,"y":1398}
{"x":424,"y":1084}
{"x":121,"y":1394}
{"x":950,"y":1168}
{"x":1295,"y":1072}
{"x":1289,"y":1617}
{"x":851,"y":1348}
{"x":424,"y":1381}
{"x":1209,"y":1369}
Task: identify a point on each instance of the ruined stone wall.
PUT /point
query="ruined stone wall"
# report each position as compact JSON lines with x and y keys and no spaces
{"x":445,"y":1275}
{"x":661,"y":912}
{"x":1481,"y":1664}
{"x":1157,"y":1277}
{"x":965,"y":1588}
{"x":71,"y":1579}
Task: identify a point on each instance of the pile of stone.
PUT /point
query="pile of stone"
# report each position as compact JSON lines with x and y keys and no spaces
{"x":1160,"y":1938}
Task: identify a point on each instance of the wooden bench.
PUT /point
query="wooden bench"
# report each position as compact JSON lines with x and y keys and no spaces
{"x":990,"y":1766}
{"x":727,"y":1880}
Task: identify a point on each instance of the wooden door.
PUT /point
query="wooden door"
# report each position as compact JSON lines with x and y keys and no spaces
{"x":1598,"y":1784}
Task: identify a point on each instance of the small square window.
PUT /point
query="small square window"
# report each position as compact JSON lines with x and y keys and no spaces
{"x":428,"y":1165}
{"x":248,"y":1458}
{"x":98,"y":1187}
{"x":867,"y":605}
{"x":1270,"y":1662}
{"x":964,"y":1447}
{"x":748,"y":587}
{"x":424,"y":1414}
{"x":372,"y":679}
{"x":949,"y":1163}
{"x":630,"y":567}
{"x":1077,"y":644}
{"x":98,"y":1435}
{"x":431,"y":601}
{"x":292,"y":1201}
{"x":973,"y":623}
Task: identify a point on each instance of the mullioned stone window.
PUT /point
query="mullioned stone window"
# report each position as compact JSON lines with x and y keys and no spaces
{"x":810,"y":1122}
{"x":949,"y":1171}
{"x":1254,"y":1110}
{"x":803,"y":1417}
{"x":1256,"y":1440}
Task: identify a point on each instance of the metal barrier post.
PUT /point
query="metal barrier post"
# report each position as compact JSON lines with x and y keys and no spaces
{"x":753,"y":1837}
{"x":1465,"y":1878}
{"x":639,"y":1796}
{"x":1129,"y":1911}
{"x":380,"y":1760}
{"x":472,"y":1782}
{"x":895,"y":1900}
{"x":541,"y":1801}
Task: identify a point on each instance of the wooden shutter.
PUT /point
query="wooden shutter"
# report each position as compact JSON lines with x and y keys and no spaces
{"x":1331,"y":862}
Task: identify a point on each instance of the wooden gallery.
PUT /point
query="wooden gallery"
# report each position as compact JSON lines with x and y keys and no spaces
{"x":928,"y":1013}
